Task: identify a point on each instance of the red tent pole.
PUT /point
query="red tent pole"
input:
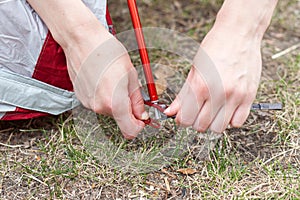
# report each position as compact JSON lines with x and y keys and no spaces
{"x":142,"y":50}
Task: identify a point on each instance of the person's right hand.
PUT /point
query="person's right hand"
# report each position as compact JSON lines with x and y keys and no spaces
{"x":107,"y":83}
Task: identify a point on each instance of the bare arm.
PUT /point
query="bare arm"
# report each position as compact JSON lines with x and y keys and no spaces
{"x":246,"y":18}
{"x":71,"y":23}
{"x":226,"y":73}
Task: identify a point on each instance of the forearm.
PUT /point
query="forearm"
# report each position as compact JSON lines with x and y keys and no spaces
{"x":68,"y":20}
{"x":246,"y":18}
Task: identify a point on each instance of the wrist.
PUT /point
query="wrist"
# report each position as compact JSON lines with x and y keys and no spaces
{"x":80,"y":40}
{"x":81,"y":32}
{"x":248,"y":19}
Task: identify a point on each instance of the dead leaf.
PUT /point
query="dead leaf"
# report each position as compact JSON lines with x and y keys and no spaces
{"x":187,"y":171}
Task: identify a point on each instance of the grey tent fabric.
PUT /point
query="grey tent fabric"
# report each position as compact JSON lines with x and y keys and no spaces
{"x":28,"y":93}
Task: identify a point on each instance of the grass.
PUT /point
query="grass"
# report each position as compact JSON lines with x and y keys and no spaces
{"x":45,"y":158}
{"x":57,"y":166}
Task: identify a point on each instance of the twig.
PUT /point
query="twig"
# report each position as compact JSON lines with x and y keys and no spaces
{"x":6,"y":130}
{"x":256,"y":187}
{"x":278,"y":155}
{"x":286,"y":51}
{"x":36,"y":179}
{"x":51,"y":139}
{"x":11,"y":146}
{"x":99,"y":193}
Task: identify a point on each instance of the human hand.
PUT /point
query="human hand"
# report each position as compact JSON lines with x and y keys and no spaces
{"x":100,"y":69}
{"x":222,"y":84}
{"x":107,"y":83}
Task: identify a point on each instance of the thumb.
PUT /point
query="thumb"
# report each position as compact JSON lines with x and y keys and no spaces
{"x":173,"y":108}
{"x":127,"y":122}
{"x":122,"y":109}
{"x":138,"y":106}
{"x":137,"y":101}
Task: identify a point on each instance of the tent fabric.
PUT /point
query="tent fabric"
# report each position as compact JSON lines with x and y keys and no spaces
{"x":29,"y":93}
{"x":34,"y":80}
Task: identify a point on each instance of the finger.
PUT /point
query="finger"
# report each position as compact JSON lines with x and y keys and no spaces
{"x":122,"y":110}
{"x":173,"y":108}
{"x":240,"y":115}
{"x":242,"y":112}
{"x":190,"y":99}
{"x":138,"y":106}
{"x":222,"y":119}
{"x":137,"y":101}
{"x":190,"y":107}
{"x":206,"y":116}
{"x":128,"y":124}
{"x":224,"y":115}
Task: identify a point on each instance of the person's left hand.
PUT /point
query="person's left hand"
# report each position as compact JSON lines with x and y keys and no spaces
{"x":222,"y":84}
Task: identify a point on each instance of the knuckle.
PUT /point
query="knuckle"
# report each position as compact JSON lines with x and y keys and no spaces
{"x":237,"y":92}
{"x":130,"y":132}
{"x":229,"y":91}
{"x":242,"y":91}
{"x":203,"y":92}
{"x":128,"y":124}
{"x":137,"y":99}
{"x":252,"y":90}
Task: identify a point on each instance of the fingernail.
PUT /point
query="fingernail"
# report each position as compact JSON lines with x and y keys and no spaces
{"x":145,"y":115}
{"x":167,"y":110}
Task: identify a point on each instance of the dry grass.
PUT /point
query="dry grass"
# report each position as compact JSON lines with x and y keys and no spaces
{"x":44,"y":159}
